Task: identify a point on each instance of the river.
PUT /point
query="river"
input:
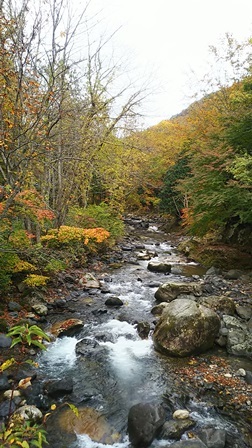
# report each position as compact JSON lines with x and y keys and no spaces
{"x":116,"y":367}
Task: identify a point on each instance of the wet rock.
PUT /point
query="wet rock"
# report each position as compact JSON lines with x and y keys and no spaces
{"x":145,"y":420}
{"x":35,"y":395}
{"x":67,"y":327}
{"x":155,"y":266}
{"x":86,"y":347}
{"x":5,"y":341}
{"x":4,"y":383}
{"x":170,"y":291}
{"x":114,"y":301}
{"x":213,"y":438}
{"x":173,"y":429}
{"x":127,"y":248}
{"x":58,"y":388}
{"x":193,"y":443}
{"x":7,"y":408}
{"x":89,"y":422}
{"x":185,"y":328}
{"x":143,"y":329}
{"x":146,"y":255}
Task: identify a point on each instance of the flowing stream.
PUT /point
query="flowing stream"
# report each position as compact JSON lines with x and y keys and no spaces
{"x":119,"y":368}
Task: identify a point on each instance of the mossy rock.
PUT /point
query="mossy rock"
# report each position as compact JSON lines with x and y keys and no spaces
{"x":220,"y":255}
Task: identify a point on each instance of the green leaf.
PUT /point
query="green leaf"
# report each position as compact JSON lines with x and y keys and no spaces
{"x":16,"y":341}
{"x":38,"y":344}
{"x":74,"y":409}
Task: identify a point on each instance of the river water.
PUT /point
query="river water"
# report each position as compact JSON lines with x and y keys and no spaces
{"x":119,"y":369}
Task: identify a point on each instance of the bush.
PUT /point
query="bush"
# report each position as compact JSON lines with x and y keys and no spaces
{"x":97,"y":216}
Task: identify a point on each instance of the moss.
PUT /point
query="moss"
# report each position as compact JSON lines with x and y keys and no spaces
{"x":217,"y":254}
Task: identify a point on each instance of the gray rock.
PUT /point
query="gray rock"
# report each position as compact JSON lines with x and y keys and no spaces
{"x":4,"y":383}
{"x":170,"y":291}
{"x":145,"y":420}
{"x":29,"y":412}
{"x":40,"y":309}
{"x":221,"y":304}
{"x":186,"y":328}
{"x":173,"y":429}
{"x":114,"y":301}
{"x":187,"y":297}
{"x":6,"y":408}
{"x":248,"y":377}
{"x":239,"y":343}
{"x":233,"y":323}
{"x":59,"y":387}
{"x":158,"y":309}
{"x":193,"y":443}
{"x":245,"y":312}
{"x":233,"y":274}
{"x":155,"y":266}
{"x":213,"y":438}
{"x":14,"y":306}
{"x":5,"y":341}
{"x":143,"y":329}
{"x":213,"y":271}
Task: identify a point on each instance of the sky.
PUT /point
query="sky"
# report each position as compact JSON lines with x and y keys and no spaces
{"x":166,"y":40}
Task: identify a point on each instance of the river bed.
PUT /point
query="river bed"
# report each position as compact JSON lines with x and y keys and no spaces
{"x":119,"y":369}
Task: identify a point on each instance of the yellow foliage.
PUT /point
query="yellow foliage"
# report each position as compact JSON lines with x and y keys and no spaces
{"x":36,"y":280}
{"x":70,"y":234}
{"x":22,"y":265}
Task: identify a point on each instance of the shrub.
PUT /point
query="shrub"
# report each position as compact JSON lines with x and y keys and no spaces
{"x":97,"y":216}
{"x":34,"y":280}
{"x":75,"y":236}
{"x":54,"y":266}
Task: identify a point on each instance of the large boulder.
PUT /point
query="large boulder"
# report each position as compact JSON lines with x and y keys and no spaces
{"x":185,"y":328}
{"x":145,"y":421}
{"x":158,"y":266}
{"x":169,"y":291}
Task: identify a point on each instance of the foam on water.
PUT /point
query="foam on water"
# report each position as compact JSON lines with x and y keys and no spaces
{"x":59,"y":356}
{"x":85,"y":442}
{"x":119,"y":328}
{"x":127,"y":348}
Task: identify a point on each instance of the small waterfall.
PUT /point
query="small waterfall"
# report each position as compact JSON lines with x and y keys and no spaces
{"x":59,"y":357}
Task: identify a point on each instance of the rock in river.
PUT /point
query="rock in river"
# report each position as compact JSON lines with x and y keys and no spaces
{"x":145,"y":420}
{"x":169,"y":291}
{"x":185,"y":328}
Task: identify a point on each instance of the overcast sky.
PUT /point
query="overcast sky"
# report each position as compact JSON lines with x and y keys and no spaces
{"x":167,"y":39}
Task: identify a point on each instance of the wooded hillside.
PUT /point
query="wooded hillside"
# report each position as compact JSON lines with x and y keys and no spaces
{"x":70,"y":160}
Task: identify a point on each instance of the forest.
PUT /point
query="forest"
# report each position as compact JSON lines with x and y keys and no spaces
{"x":72,"y":162}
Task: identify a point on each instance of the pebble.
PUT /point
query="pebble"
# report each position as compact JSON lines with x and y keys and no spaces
{"x":181,"y":414}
